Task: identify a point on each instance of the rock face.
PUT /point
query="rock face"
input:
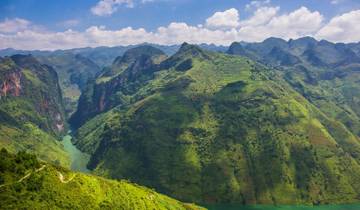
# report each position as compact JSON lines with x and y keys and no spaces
{"x":25,"y":80}
{"x":211,"y":127}
{"x":31,"y":109}
{"x":74,"y":71}
{"x":11,"y":86}
{"x":100,"y":95}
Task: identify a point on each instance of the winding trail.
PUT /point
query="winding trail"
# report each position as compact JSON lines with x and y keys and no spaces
{"x":62,"y":178}
{"x":25,"y":177}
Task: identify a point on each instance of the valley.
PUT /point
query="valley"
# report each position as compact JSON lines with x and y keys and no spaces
{"x":78,"y":159}
{"x":265,"y":125}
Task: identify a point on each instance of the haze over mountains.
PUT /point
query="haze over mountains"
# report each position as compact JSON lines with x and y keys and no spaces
{"x":274,"y":122}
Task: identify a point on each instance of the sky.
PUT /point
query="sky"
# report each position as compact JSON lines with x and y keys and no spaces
{"x":65,"y":24}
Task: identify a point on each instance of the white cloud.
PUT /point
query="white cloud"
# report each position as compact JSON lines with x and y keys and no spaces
{"x":266,"y":22}
{"x":108,"y":7}
{"x":146,"y":1}
{"x":14,"y":25}
{"x":257,"y":4}
{"x":224,"y":20}
{"x":301,"y":22}
{"x":261,"y":16}
{"x":343,"y":28}
{"x":336,"y":1}
{"x":69,"y":23}
{"x":263,"y":23}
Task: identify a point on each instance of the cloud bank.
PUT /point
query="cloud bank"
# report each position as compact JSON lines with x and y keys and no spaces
{"x":222,"y":28}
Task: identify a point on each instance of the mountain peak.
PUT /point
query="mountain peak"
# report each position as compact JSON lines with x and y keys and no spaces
{"x":26,"y":60}
{"x":304,"y":39}
{"x":137,"y":52}
{"x":274,"y":40}
{"x":192,"y":50}
{"x":186,"y":46}
{"x":236,"y":49}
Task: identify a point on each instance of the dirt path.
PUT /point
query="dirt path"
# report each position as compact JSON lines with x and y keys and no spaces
{"x":25,"y":177}
{"x":62,"y":178}
{"x":41,"y":168}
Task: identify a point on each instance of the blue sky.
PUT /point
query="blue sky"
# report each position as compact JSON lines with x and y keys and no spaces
{"x":78,"y":23}
{"x":52,"y":13}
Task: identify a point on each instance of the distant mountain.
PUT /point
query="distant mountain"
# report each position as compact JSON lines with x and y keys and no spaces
{"x":31,"y":108}
{"x":26,"y":182}
{"x":104,"y":56}
{"x":211,"y":127}
{"x":309,"y":51}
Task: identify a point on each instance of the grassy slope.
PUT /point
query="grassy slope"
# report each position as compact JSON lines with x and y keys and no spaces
{"x":27,"y":121}
{"x":335,"y":92}
{"x":44,"y":189}
{"x":226,"y":130}
{"x":32,"y":139}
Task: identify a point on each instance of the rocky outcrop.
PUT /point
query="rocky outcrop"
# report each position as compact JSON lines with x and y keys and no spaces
{"x":31,"y":89}
{"x":101,"y":94}
{"x":11,"y":85}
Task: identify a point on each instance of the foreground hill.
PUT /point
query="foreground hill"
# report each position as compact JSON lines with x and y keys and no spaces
{"x":25,"y":182}
{"x":210,"y":127}
{"x":31,"y":110}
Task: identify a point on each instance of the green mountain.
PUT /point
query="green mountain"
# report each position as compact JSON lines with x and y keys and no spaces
{"x":104,"y":56}
{"x":105,"y":92}
{"x":74,"y":71}
{"x":31,"y":110}
{"x":210,"y":127}
{"x":26,"y":182}
{"x":326,"y":74}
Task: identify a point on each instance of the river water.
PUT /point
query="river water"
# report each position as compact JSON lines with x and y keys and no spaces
{"x":79,"y":159}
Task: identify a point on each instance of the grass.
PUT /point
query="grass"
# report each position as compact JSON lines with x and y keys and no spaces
{"x":29,"y":121}
{"x":224,"y":129}
{"x":43,"y":189}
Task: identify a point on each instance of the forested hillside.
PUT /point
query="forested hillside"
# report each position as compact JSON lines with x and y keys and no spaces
{"x":210,"y":127}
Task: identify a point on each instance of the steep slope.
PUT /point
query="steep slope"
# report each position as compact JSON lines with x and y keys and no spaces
{"x":108,"y":90}
{"x":31,"y":110}
{"x":25,"y":182}
{"x":212,"y":127}
{"x":279,"y":52}
{"x":74,"y":71}
{"x":325,"y":73}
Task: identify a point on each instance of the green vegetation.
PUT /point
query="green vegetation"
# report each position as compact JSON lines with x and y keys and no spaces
{"x":31,"y":110}
{"x":74,"y":71}
{"x":209,"y":127}
{"x":279,"y":124}
{"x":26,"y":182}
{"x":32,"y":139}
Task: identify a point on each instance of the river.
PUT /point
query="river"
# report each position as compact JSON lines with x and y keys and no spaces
{"x":79,"y":159}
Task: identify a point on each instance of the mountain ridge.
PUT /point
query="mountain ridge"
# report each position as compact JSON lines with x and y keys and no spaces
{"x":250,"y":126}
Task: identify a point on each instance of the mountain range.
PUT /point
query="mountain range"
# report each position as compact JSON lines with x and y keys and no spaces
{"x":275,"y":122}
